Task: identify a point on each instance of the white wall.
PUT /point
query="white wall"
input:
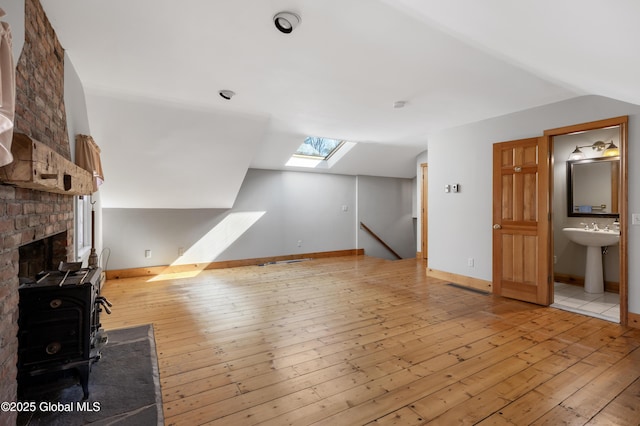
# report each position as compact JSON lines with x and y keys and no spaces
{"x":78,"y":123}
{"x":275,"y":213}
{"x":75,"y":105}
{"x":460,"y":224}
{"x":127,"y":233}
{"x":385,"y":206}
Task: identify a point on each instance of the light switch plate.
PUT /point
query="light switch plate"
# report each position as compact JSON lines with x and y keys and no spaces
{"x":447,"y":188}
{"x":635,"y":219}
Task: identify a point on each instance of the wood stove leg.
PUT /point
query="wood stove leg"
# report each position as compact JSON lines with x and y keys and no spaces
{"x":83,"y":372}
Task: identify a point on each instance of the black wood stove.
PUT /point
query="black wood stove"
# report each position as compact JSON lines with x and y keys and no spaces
{"x":59,"y":333}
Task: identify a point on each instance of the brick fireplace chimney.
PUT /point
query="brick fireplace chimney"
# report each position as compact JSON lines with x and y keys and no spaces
{"x":28,"y":215}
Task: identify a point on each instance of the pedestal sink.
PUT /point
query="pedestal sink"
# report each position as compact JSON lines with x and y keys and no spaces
{"x":594,"y":241}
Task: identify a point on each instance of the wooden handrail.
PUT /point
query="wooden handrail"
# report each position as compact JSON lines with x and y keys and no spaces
{"x":373,"y":234}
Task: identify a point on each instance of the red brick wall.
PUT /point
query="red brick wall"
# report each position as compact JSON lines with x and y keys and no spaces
{"x":27,"y":215}
{"x":40,"y":111}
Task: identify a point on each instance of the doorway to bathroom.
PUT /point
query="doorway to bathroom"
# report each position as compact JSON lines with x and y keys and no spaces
{"x":589,"y":218}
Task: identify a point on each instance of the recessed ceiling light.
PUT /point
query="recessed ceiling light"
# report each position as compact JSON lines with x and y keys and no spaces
{"x":399,"y":104}
{"x":227,"y":94}
{"x":286,"y":22}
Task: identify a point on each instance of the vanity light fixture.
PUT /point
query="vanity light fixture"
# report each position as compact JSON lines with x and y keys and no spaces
{"x":577,"y":154}
{"x":611,"y":151}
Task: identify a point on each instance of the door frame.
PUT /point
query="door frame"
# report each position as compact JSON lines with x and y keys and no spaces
{"x":621,"y":121}
{"x":424,"y":222}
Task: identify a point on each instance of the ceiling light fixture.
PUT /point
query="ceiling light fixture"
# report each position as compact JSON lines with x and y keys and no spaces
{"x":286,"y":22}
{"x":399,"y":104}
{"x":227,"y":94}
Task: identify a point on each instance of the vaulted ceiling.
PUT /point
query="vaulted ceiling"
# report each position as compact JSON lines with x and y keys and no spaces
{"x":152,"y":69}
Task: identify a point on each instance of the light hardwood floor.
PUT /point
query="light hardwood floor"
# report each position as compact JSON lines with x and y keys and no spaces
{"x":358,"y":341}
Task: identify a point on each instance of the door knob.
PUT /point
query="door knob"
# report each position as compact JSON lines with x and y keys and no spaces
{"x":497,"y":226}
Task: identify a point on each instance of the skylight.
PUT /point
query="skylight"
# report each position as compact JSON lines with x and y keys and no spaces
{"x":320,"y":148}
{"x":318,"y":152}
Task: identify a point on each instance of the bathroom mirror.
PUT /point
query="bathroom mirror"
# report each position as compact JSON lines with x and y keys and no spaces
{"x":593,"y":187}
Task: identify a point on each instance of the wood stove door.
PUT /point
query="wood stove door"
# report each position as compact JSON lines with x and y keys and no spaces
{"x":54,"y":325}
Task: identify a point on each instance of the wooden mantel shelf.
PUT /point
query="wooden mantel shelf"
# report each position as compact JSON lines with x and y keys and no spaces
{"x":36,"y":166}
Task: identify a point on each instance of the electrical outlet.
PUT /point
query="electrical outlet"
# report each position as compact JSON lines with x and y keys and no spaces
{"x":147,"y":254}
{"x":447,"y":188}
{"x":180,"y":251}
{"x":470,"y":262}
{"x":299,"y":243}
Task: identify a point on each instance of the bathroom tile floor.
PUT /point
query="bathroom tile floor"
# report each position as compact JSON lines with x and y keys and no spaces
{"x":573,"y":298}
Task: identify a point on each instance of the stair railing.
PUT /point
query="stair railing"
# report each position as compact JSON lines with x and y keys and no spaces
{"x":373,"y":234}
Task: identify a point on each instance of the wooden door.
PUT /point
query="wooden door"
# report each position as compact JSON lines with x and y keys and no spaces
{"x":521,"y":240}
